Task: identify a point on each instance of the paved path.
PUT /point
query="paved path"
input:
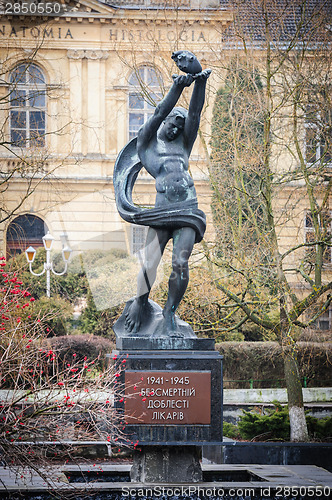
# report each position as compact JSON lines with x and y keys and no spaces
{"x":260,"y":481}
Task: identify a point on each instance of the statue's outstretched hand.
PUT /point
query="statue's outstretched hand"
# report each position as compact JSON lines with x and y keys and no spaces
{"x":203,"y":75}
{"x":183,"y":80}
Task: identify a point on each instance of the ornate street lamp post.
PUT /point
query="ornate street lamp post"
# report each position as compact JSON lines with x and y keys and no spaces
{"x":48,"y":265}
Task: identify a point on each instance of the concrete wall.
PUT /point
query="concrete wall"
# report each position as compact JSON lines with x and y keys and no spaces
{"x":312,"y":394}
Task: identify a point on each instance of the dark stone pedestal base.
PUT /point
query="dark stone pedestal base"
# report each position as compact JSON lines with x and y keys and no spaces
{"x":166,"y":464}
{"x":161,"y":344}
{"x":153,"y":426}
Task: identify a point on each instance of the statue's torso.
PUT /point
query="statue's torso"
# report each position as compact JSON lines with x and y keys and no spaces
{"x":167,"y":162}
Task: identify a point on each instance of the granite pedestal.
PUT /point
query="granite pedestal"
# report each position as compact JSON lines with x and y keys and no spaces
{"x":172,"y":404}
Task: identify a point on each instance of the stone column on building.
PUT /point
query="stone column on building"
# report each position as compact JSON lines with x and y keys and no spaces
{"x":87,"y":97}
{"x":75,"y":95}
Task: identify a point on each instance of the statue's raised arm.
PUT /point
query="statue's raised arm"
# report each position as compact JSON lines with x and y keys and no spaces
{"x":195,"y":108}
{"x":163,"y":109}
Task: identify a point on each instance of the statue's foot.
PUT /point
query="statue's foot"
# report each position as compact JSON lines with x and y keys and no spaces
{"x":134,"y":316}
{"x":169,"y":322}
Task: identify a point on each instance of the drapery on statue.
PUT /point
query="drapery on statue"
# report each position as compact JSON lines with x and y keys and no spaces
{"x":163,"y":147}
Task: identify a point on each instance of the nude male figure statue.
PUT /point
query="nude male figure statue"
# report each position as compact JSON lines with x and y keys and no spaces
{"x":164,"y":144}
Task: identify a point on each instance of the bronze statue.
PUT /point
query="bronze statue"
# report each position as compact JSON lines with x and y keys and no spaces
{"x":163,"y":146}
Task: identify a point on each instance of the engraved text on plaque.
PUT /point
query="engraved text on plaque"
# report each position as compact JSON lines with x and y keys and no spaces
{"x":168,"y":397}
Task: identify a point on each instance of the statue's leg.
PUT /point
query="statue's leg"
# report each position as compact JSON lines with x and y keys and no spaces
{"x":183,"y":242}
{"x":156,"y":241}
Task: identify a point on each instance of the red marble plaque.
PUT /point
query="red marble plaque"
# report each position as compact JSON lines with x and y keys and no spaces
{"x":168,"y":397}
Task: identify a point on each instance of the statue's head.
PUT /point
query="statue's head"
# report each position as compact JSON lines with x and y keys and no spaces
{"x":182,"y":113}
{"x":174,"y":123}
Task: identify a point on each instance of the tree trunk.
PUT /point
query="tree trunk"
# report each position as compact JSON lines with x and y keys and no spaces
{"x":298,"y":425}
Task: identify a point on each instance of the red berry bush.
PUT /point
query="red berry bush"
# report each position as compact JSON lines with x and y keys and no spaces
{"x":44,"y":394}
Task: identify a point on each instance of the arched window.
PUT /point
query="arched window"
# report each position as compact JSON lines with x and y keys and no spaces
{"x":145,"y":90}
{"x":27,"y":106}
{"x":24,"y":231}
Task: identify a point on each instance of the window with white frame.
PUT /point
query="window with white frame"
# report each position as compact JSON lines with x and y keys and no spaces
{"x":145,"y":90}
{"x":318,"y":135}
{"x":138,"y":238}
{"x":325,"y":223}
{"x":27,"y":106}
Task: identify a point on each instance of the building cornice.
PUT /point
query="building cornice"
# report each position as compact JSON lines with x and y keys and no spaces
{"x":93,"y":10}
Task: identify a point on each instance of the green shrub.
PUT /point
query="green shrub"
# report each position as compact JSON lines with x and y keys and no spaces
{"x":98,"y":322}
{"x":57,"y":313}
{"x":268,"y":425}
{"x":231,"y":431}
{"x":272,"y":425}
{"x":79,"y":347}
{"x":319,"y":428}
{"x":110,"y":275}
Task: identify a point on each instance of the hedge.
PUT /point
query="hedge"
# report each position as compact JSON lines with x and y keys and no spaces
{"x":91,"y":346}
{"x":260,"y":361}
{"x":263,"y":363}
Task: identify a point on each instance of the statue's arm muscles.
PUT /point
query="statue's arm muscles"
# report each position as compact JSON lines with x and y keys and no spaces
{"x":195,"y":110}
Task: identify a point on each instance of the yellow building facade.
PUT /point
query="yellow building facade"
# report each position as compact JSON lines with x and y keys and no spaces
{"x":94,"y":72}
{"x":93,"y":63}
